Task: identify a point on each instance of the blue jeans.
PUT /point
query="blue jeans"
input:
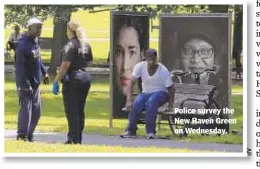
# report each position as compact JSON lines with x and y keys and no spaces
{"x":149,"y":102}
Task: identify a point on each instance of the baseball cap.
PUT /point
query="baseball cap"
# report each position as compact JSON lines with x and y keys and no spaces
{"x":150,"y":52}
{"x":33,"y":21}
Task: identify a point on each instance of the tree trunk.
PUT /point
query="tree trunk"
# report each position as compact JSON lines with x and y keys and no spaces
{"x":238,"y":35}
{"x":59,"y":39}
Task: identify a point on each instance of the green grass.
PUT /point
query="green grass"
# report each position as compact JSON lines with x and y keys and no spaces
{"x":97,"y":113}
{"x":100,"y":52}
{"x":237,"y":89}
{"x":25,"y":147}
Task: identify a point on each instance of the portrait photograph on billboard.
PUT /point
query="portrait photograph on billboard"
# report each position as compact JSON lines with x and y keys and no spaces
{"x":130,"y":39}
{"x":195,"y":43}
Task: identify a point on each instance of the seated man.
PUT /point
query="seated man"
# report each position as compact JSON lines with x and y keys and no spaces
{"x":157,"y":88}
{"x":13,"y":39}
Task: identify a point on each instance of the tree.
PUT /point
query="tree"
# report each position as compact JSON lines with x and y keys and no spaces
{"x":61,"y":18}
{"x":238,"y":34}
{"x":19,"y":14}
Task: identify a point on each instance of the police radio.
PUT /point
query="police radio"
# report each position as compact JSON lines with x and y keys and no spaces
{"x":86,"y":53}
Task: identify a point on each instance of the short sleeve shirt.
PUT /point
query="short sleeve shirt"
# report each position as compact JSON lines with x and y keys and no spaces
{"x":14,"y":37}
{"x":71,"y":53}
{"x":159,"y":81}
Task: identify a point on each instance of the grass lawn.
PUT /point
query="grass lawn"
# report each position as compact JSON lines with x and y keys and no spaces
{"x":237,"y":88}
{"x":25,"y":147}
{"x":99,"y":48}
{"x":100,"y":53}
{"x":97,"y":113}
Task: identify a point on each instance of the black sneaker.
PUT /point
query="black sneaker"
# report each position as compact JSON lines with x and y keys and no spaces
{"x":128,"y":134}
{"x":70,"y":142}
{"x":22,"y":137}
{"x":31,"y":138}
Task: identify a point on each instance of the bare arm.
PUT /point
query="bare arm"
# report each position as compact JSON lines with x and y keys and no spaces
{"x":129,"y":93}
{"x":62,"y":71}
{"x":137,"y":72}
{"x":10,"y":39}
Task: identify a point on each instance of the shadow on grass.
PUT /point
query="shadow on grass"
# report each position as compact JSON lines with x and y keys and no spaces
{"x":97,"y":105}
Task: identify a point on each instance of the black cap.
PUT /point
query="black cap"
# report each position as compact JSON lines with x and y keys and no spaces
{"x":150,"y":52}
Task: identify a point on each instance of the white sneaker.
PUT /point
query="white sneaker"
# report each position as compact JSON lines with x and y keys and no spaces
{"x":128,"y":134}
{"x":150,"y":136}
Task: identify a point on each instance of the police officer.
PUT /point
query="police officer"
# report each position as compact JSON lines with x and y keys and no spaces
{"x":28,"y":72}
{"x":76,"y":80}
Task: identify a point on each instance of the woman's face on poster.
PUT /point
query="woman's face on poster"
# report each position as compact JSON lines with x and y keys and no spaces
{"x":197,"y":55}
{"x":127,"y":55}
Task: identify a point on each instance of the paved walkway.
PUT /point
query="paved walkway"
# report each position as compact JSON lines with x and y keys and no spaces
{"x":95,"y":139}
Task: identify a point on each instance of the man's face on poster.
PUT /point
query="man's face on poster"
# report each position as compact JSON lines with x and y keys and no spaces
{"x":197,"y":55}
{"x":127,"y":56}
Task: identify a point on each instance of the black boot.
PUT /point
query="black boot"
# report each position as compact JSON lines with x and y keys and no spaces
{"x":30,"y":138}
{"x":70,"y":142}
{"x":22,"y":137}
{"x":80,"y":138}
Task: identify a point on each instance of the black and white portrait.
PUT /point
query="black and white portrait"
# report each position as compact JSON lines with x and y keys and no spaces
{"x":195,"y":43}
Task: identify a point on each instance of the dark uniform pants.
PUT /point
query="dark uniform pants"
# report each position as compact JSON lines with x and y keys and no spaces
{"x":75,"y":93}
{"x":30,"y":111}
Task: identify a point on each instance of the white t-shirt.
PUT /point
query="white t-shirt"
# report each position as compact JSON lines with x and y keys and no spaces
{"x":14,"y":37}
{"x":159,"y":81}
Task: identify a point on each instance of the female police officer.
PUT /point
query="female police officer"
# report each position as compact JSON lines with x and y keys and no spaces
{"x":76,"y":80}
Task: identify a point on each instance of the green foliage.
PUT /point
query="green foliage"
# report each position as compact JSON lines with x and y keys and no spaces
{"x":19,"y":14}
{"x":155,"y":10}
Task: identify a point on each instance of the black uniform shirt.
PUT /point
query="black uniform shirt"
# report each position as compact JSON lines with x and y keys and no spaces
{"x":72,"y":52}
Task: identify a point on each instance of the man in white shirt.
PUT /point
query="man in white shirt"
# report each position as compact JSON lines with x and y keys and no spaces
{"x":158,"y":89}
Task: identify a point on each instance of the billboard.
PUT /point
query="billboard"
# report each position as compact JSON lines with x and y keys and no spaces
{"x":195,"y":43}
{"x":129,"y":40}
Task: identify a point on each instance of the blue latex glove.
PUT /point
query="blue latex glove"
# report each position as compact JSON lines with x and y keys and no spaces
{"x":55,"y":88}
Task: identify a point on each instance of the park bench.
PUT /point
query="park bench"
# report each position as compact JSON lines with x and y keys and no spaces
{"x":190,"y":96}
{"x":46,"y":43}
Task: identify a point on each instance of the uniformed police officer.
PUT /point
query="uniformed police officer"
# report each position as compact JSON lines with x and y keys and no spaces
{"x":76,"y":80}
{"x":28,"y":72}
